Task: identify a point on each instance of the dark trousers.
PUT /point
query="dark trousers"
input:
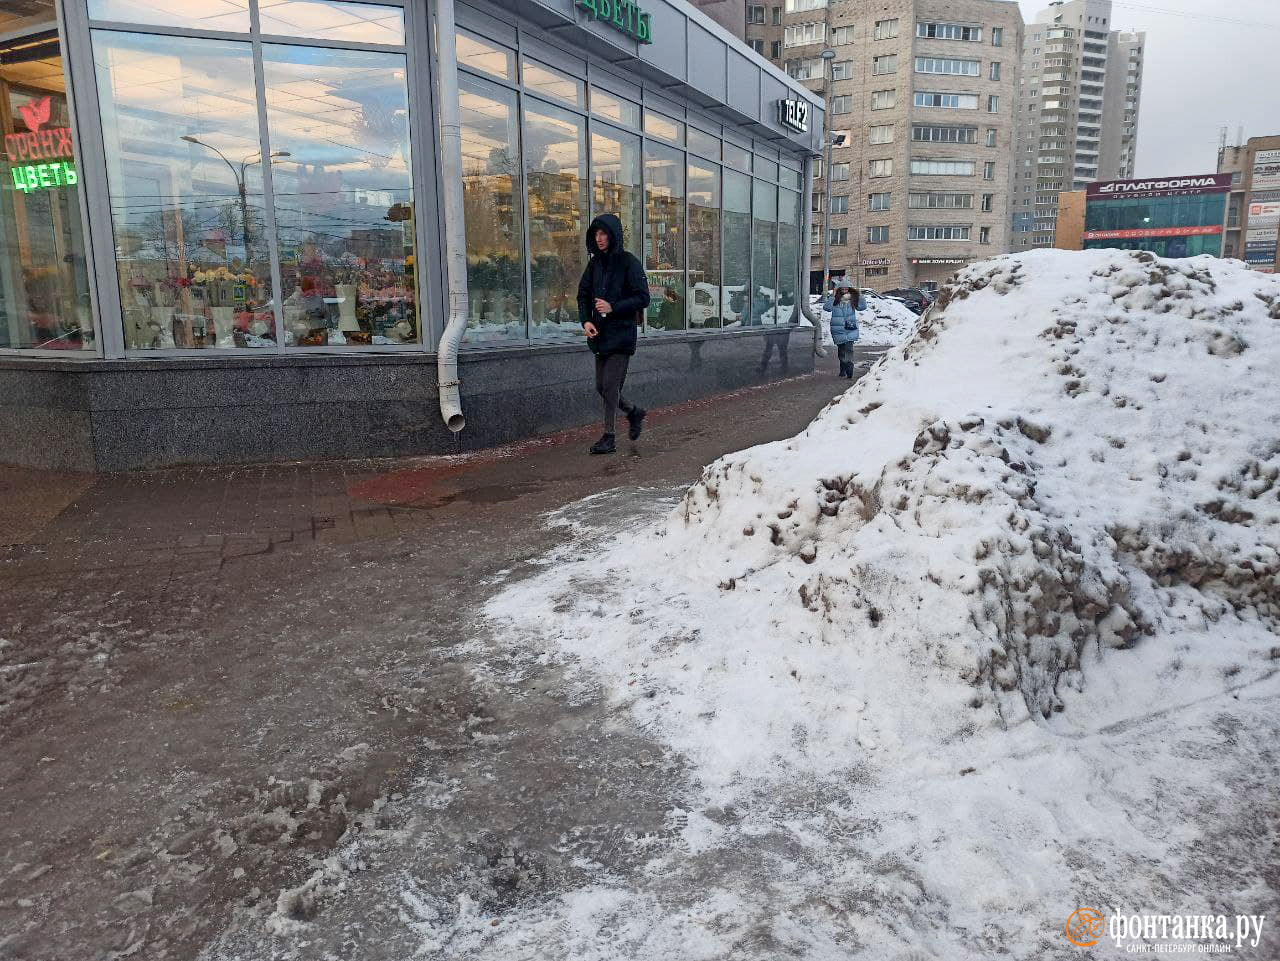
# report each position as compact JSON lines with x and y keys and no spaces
{"x":845,"y":353}
{"x":611,"y":372}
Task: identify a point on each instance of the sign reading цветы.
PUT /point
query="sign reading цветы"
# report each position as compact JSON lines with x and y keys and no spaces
{"x":623,"y":15}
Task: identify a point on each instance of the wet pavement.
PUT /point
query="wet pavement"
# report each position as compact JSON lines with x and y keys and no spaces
{"x":224,"y":692}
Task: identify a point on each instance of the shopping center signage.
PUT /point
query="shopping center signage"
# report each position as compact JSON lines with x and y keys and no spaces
{"x":1266,"y":170}
{"x":1163,"y":187}
{"x":1264,"y":215}
{"x":1148,"y":232}
{"x":623,"y":15}
{"x":43,"y":157}
{"x":794,"y":114}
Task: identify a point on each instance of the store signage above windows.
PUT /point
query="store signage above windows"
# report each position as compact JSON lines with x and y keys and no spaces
{"x":1148,"y":232}
{"x":794,"y":114}
{"x":1166,"y":187}
{"x":623,"y":15}
{"x":42,"y":158}
{"x":937,"y":261}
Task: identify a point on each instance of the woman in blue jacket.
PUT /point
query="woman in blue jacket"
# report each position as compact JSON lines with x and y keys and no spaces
{"x":844,"y":326}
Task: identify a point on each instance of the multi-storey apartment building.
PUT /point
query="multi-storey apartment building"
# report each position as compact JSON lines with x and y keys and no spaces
{"x":920,"y":106}
{"x":1078,"y":105}
{"x":1253,"y":211}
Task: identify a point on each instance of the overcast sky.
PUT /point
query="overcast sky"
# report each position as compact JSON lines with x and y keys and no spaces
{"x":1202,"y":72}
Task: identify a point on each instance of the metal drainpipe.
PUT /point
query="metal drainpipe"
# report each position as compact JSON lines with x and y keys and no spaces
{"x":455,"y":227}
{"x":806,"y":242}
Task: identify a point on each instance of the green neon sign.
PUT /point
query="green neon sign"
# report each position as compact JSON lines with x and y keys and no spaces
{"x":623,"y":15}
{"x":46,"y":176}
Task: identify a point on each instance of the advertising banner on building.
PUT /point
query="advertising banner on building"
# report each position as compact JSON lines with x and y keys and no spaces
{"x":1160,"y":187}
{"x":1264,"y":215}
{"x":1260,"y":253}
{"x":1261,"y":235}
{"x":1266,"y":170}
{"x":1148,"y":233}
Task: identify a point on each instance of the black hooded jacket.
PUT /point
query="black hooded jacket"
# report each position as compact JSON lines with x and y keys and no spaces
{"x":618,"y":277}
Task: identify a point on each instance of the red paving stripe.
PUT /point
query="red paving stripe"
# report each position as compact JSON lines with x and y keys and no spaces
{"x":406,"y":486}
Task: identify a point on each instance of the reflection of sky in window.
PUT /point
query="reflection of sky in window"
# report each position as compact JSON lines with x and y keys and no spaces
{"x":351,"y":22}
{"x":552,"y":140}
{"x":552,"y":83}
{"x":663,"y":168}
{"x":704,"y":187}
{"x":614,"y":162}
{"x":476,"y":54}
{"x":487,"y":135}
{"x":344,"y":111}
{"x":614,"y":108}
{"x":230,"y":15}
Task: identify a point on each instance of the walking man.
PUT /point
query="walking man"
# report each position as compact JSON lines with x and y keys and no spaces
{"x":612,"y":296}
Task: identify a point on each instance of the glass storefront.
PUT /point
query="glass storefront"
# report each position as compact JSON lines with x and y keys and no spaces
{"x":259,"y":190}
{"x":203,"y":259}
{"x":1143,"y":219}
{"x":44,"y":284}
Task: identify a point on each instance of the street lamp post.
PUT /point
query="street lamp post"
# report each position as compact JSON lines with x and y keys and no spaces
{"x":239,"y":175}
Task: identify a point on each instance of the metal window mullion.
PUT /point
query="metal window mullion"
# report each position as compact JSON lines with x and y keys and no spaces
{"x":684,"y":173}
{"x":426,"y":173}
{"x":31,"y":29}
{"x":268,"y":174}
{"x":527,"y":254}
{"x":95,"y":200}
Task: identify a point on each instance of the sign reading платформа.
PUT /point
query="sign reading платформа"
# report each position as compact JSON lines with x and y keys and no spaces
{"x":623,"y":15}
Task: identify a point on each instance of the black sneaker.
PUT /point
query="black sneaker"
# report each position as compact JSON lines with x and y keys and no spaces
{"x":604,"y":445}
{"x":635,"y":417}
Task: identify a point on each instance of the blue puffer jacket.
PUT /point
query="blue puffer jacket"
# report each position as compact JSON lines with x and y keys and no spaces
{"x":844,"y":321}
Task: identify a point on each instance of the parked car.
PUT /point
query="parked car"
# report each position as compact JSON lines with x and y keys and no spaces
{"x":916,"y":299}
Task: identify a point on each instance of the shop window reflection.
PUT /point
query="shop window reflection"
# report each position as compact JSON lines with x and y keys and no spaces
{"x":343,"y":194}
{"x":44,"y":287}
{"x":735,"y":295}
{"x":230,"y":16}
{"x":764,"y":260}
{"x":788,"y":255}
{"x":180,"y":127}
{"x":332,"y":20}
{"x":493,"y":207}
{"x":555,"y":161}
{"x":615,"y":178}
{"x":664,"y":236}
{"x":704,"y":294}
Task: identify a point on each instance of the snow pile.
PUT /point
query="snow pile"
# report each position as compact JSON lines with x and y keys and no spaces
{"x":1039,"y":542}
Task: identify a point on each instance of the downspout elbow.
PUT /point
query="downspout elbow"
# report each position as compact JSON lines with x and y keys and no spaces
{"x":448,"y":384}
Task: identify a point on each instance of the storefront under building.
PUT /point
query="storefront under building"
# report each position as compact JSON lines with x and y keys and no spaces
{"x":221,"y":229}
{"x":1168,"y":216}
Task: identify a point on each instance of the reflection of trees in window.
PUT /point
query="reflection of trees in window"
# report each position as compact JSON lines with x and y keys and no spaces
{"x":492,"y":206}
{"x":704,"y":307}
{"x":764,"y":233}
{"x":615,"y":178}
{"x":665,"y":235}
{"x":788,"y":253}
{"x":555,"y":157}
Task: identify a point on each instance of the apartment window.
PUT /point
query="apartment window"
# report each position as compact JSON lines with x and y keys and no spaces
{"x":949,"y":101}
{"x":882,"y":99}
{"x":755,"y":14}
{"x":777,"y":16}
{"x":840,"y":171}
{"x":841,"y":35}
{"x":937,"y":133}
{"x":817,"y":164}
{"x":877,"y":235}
{"x":886,"y":29}
{"x":840,"y":204}
{"x":798,"y":34}
{"x":809,"y":69}
{"x":841,"y":104}
{"x":949,"y":31}
{"x":775,"y":49}
{"x":757,"y":46}
{"x":801,"y":6}
{"x":993,"y":103}
{"x":879,"y":201}
{"x":997,"y":36}
{"x":989,"y":170}
{"x":819,"y":203}
{"x":949,"y":232}
{"x":939,"y":201}
{"x":880,"y":133}
{"x":994,"y":72}
{"x":843,"y":70}
{"x":839,"y":236}
{"x":876,"y":272}
{"x":948,"y":66}
{"x":987,"y":200}
{"x":991,"y":136}
{"x":881,"y":168}
{"x":984,"y":235}
{"x":942,"y":168}
{"x":884,"y":65}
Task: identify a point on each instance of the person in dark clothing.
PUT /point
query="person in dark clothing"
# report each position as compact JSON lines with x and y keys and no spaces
{"x":612,"y":295}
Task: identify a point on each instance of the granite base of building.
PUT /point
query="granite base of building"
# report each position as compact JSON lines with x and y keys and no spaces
{"x":138,"y":414}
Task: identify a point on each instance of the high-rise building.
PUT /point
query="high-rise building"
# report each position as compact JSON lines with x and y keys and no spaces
{"x":1078,"y":105}
{"x":730,"y":14}
{"x":1253,"y":211}
{"x":920,"y":104}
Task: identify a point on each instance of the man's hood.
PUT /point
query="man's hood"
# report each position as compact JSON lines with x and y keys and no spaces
{"x":612,"y":226}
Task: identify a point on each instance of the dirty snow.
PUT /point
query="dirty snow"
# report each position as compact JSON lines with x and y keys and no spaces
{"x":993,"y":639}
